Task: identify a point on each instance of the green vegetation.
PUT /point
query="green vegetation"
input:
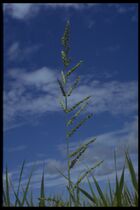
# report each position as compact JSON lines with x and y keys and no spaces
{"x":121,"y":195}
{"x":72,"y":113}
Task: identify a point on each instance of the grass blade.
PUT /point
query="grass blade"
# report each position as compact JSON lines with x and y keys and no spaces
{"x":100,"y":191}
{"x":4,"y":198}
{"x":31,"y":199}
{"x":27,"y":202}
{"x":72,"y":195}
{"x":119,"y":188}
{"x":127,"y":196}
{"x":132,"y":173}
{"x":93,"y":194}
{"x":17,"y":201}
{"x":27,"y":187}
{"x":20,"y":177}
{"x":111,"y":193}
{"x":7,"y":188}
{"x":87,"y":195}
{"x":42,"y":198}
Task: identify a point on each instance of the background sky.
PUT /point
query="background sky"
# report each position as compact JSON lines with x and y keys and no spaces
{"x":105,"y":37}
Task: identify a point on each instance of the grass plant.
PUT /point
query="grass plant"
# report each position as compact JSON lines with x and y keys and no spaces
{"x":119,"y":196}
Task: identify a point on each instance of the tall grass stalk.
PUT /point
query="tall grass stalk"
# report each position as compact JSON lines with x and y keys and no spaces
{"x":66,"y":91}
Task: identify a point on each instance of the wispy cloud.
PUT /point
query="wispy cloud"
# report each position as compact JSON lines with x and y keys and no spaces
{"x":25,"y":11}
{"x":33,"y":93}
{"x":18,"y":53}
{"x":112,"y":96}
{"x":21,"y":11}
{"x":102,"y":149}
{"x":122,"y":9}
{"x":106,"y":143}
{"x":125,"y":8}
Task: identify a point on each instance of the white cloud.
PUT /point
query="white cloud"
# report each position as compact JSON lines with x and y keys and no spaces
{"x":114,"y":97}
{"x":65,"y":5}
{"x":120,"y":140}
{"x":13,"y":51}
{"x":21,"y":10}
{"x":102,"y":149}
{"x":26,"y":10}
{"x":123,"y":8}
{"x":9,"y":176}
{"x":39,"y":77}
{"x":35,"y":92}
{"x":19,"y":53}
{"x":30,"y":93}
{"x":51,"y":165}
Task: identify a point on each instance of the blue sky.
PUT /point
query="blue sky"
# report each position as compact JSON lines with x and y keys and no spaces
{"x":105,"y":37}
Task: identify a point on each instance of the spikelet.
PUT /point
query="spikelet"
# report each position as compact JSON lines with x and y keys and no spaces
{"x":73,"y":69}
{"x":62,"y":106}
{"x":78,"y":103}
{"x":63,"y":77}
{"x":72,"y":154}
{"x":70,"y":133}
{"x":73,"y":86}
{"x":77,"y":157}
{"x":90,"y":141}
{"x":77,"y":114}
{"x":61,"y":87}
{"x":65,"y":42}
{"x":65,"y":37}
{"x":80,"y":150}
{"x":87,"y":173}
{"x":81,"y":147}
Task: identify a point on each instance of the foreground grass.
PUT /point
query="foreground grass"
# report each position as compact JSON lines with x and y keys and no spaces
{"x":121,"y":195}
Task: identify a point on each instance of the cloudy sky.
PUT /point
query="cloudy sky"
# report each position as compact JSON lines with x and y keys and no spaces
{"x":105,"y":37}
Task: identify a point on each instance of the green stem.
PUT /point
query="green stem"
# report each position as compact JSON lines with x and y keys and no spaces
{"x":68,"y":161}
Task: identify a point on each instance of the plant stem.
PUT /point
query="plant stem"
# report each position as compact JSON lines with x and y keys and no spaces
{"x":68,"y":161}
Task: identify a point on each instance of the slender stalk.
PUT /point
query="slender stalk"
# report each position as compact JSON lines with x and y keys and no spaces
{"x":68,"y":152}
